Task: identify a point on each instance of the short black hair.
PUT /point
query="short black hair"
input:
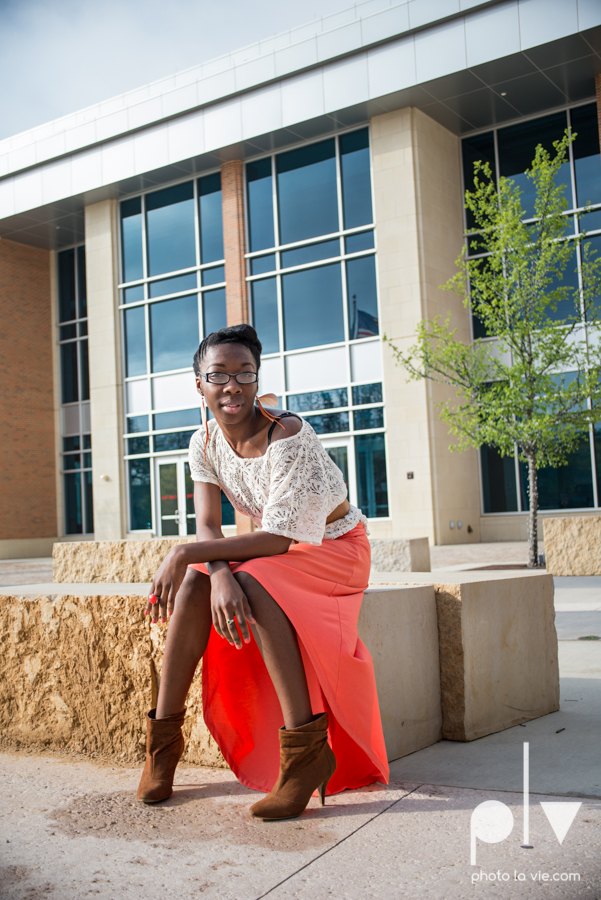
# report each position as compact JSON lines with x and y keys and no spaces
{"x":233,"y":334}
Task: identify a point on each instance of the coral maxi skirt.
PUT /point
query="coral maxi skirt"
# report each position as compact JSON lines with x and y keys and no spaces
{"x":320,"y":589}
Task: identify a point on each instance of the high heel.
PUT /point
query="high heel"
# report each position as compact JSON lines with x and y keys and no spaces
{"x":307,"y":762}
{"x":164,"y":747}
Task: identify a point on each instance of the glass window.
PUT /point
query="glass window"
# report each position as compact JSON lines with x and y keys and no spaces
{"x":71,"y":443}
{"x":173,"y":333}
{"x":339,"y":455}
{"x":190,"y":513}
{"x":260,"y":205}
{"x":214,"y":311}
{"x":597,"y":441}
{"x":177,"y":419}
{"x":73,"y":505}
{"x":170,"y":229}
{"x":264,"y":298}
{"x":356,"y":181}
{"x":177,"y":440}
{"x":362,"y":297}
{"x":85,"y":370}
{"x":262,"y":264}
{"x":89,"y":502}
{"x":83,"y":329}
{"x":330,"y":423}
{"x":356,"y":242}
{"x":372,"y":486}
{"x":307,"y":194}
{"x":211,"y":221}
{"x":67,"y":332}
{"x":81,"y":282}
{"x":564,"y":487}
{"x":595,"y":253}
{"x":367,"y":393}
{"x":480,"y":148}
{"x":171,"y":285}
{"x":87,"y":441}
{"x":498,"y":481}
{"x":517,"y":145}
{"x":228,"y":513}
{"x":213,"y":276}
{"x":66,"y":286}
{"x":138,"y":445}
{"x":591,"y":221}
{"x":139,"y":494}
{"x":133,"y":294}
{"x":135,"y":341}
{"x":317,"y":400}
{"x":72,"y":461}
{"x":70,"y":389}
{"x":313,"y":253}
{"x":369,"y":418}
{"x":313,"y":307}
{"x":131,"y":239}
{"x":587,"y":162}
{"x":137,"y":423}
{"x":566,"y":307}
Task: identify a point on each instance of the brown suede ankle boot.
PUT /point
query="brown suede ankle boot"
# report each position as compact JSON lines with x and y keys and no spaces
{"x":306,"y":762}
{"x":164,"y":747}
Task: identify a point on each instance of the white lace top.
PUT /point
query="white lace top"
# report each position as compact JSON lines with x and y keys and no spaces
{"x":291,"y":490}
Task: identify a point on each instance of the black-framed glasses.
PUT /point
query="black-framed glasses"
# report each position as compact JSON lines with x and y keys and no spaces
{"x":223,"y":377}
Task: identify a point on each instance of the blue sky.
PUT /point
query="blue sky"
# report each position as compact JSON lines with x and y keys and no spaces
{"x":57,"y":56}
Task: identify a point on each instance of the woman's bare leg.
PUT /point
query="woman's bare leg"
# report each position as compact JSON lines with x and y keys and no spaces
{"x":187,"y":638}
{"x":281,"y":652}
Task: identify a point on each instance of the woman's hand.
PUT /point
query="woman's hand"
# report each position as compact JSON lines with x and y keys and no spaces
{"x":228,"y":606}
{"x":166,"y":584}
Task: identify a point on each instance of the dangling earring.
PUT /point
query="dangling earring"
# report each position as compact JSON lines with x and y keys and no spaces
{"x":203,"y":416}
{"x":270,"y":398}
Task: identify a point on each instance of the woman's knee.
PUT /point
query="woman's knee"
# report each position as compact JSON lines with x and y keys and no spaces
{"x":195,"y":588}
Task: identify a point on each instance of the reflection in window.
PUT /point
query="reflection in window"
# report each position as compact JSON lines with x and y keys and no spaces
{"x":368,"y":418}
{"x":170,"y":285}
{"x":517,"y":146}
{"x":138,"y":445}
{"x":136,"y":424}
{"x":307,"y":193}
{"x":300,"y":256}
{"x":131,"y":239}
{"x":170,"y":229}
{"x":317,"y":400}
{"x":356,"y":242}
{"x":173,"y":333}
{"x":587,"y":162}
{"x":179,"y":418}
{"x":372,"y":486}
{"x":135,"y":342}
{"x":228,"y":513}
{"x":329,"y":423}
{"x":211,"y":222}
{"x":313,"y":312}
{"x":177,"y":440}
{"x":262,"y":264}
{"x":339,"y":456}
{"x":567,"y":305}
{"x":264,"y":296}
{"x":367,"y":393}
{"x":213,"y":276}
{"x":139,"y":494}
{"x":498,"y":481}
{"x":362,"y":297}
{"x":260,"y":205}
{"x":356,"y":180}
{"x":133,"y":294}
{"x":214,"y":311}
{"x":564,"y":487}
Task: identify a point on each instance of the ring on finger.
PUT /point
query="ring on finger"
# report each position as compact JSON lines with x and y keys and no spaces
{"x":230,"y":621}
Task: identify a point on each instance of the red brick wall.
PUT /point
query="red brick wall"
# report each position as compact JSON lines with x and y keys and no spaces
{"x":234,"y":241}
{"x":27,"y":460}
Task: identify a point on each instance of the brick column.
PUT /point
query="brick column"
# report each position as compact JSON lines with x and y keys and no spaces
{"x":598,"y":90}
{"x":234,"y":247}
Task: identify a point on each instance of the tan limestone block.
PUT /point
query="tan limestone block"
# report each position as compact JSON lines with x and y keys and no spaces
{"x":411,"y":555}
{"x":573,"y":545}
{"x":130,"y":562}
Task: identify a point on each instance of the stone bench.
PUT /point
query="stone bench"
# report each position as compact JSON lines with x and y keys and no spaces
{"x":573,"y":545}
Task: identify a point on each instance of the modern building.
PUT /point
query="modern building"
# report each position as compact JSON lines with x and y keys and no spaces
{"x":311,"y":184}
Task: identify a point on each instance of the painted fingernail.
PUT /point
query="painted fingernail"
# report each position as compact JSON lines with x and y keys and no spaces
{"x":253,"y":621}
{"x":163,"y":620}
{"x":247,"y":640}
{"x":153,"y":599}
{"x":169,"y":614}
{"x":145,"y":612}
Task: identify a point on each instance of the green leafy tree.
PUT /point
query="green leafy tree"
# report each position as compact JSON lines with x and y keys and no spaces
{"x":537,"y":385}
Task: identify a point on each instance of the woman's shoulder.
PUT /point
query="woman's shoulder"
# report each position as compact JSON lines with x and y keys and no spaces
{"x":288,"y":424}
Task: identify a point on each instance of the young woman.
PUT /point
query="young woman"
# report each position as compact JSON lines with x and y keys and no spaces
{"x":273,"y":613}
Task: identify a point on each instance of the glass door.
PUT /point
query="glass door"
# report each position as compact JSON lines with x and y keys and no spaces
{"x":341,"y":451}
{"x":175,"y":497}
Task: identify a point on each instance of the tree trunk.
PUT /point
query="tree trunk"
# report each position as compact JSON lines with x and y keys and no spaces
{"x":533,"y":514}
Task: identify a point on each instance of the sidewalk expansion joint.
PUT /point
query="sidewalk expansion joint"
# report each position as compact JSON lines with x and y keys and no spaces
{"x":338,"y":843}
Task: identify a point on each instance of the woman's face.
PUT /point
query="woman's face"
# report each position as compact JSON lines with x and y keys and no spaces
{"x":230,"y":403}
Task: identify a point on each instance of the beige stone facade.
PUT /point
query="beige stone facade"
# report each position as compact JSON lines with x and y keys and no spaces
{"x":573,"y":545}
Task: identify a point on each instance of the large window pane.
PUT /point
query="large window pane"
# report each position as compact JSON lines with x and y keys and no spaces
{"x":87,"y":486}
{"x":587,"y":162}
{"x":73,"y":509}
{"x":365,"y":419}
{"x":138,"y":445}
{"x":131,"y":239}
{"x":498,"y":481}
{"x":211,"y":220}
{"x":214,"y":311}
{"x":81,"y":282}
{"x":70,"y":390}
{"x":173,"y":333}
{"x":339,"y":455}
{"x":480,"y":148}
{"x":139,"y":494}
{"x":228,"y":513}
{"x":177,"y":419}
{"x":362,"y":297}
{"x":170,"y":286}
{"x":85,"y":370}
{"x":313,"y":307}
{"x":564,"y":487}
{"x":372,"y":487}
{"x":367,"y":393}
{"x":300,"y":256}
{"x":568,"y":306}
{"x":135,"y":341}
{"x":66,"y":285}
{"x":317,"y":400}
{"x":356,"y":181}
{"x":307,"y":196}
{"x":595,"y":253}
{"x":170,"y":229}
{"x":330,"y":423}
{"x":517,"y":146}
{"x":260,"y":205}
{"x":265,"y":313}
{"x":177,"y":440}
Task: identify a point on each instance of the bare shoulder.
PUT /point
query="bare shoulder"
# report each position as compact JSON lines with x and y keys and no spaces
{"x":290,"y":425}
